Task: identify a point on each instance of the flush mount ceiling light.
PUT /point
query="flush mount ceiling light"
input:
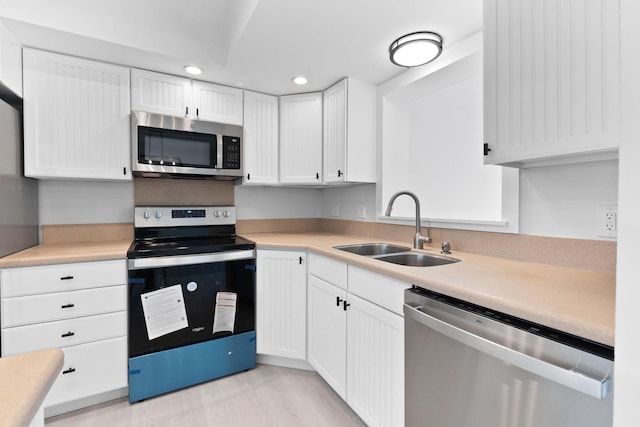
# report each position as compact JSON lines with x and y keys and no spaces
{"x":192,"y":69}
{"x":300,"y":80}
{"x":415,"y":49}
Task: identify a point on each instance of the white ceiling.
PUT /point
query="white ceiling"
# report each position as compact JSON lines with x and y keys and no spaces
{"x":256,"y":44}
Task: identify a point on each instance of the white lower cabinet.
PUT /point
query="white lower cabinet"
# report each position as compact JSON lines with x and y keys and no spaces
{"x":375,"y":363}
{"x":328,"y":333}
{"x":79,"y":308}
{"x":281,"y":299}
{"x":357,"y":345}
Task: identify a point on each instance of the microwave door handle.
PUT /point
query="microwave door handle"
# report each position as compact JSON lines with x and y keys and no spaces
{"x":219,"y":154}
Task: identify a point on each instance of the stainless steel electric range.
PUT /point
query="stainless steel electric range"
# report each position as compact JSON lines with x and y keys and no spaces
{"x":191,"y":299}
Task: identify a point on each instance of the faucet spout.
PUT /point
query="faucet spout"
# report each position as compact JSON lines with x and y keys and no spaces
{"x":418,"y":239}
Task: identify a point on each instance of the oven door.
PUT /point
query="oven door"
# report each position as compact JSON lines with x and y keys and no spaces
{"x":180,"y":300}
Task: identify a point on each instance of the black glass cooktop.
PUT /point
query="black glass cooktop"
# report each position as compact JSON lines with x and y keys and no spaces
{"x":156,"y":247}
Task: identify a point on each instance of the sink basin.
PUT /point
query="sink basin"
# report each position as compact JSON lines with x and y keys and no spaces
{"x":417,"y":259}
{"x":370,"y":249}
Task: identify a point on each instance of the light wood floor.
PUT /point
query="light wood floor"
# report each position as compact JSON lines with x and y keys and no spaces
{"x":264,"y":396}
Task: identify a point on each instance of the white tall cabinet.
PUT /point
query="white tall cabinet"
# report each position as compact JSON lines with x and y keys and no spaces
{"x":10,"y":61}
{"x":281,"y":302}
{"x":301,"y":138}
{"x":76,"y":118}
{"x":260,"y":142}
{"x":179,"y":96}
{"x":349,"y":132}
{"x":551,"y":80}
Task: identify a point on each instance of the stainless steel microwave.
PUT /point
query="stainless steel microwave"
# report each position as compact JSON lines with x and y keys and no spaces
{"x":174,"y":146}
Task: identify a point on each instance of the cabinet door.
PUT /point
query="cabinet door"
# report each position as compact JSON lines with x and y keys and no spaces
{"x":215,"y":103}
{"x":327,"y":333}
{"x":301,"y":139}
{"x":375,"y":363}
{"x":551,"y":79}
{"x":76,"y":118}
{"x":281,"y":302}
{"x":160,"y":93}
{"x":260,"y":143}
{"x":334,"y":106}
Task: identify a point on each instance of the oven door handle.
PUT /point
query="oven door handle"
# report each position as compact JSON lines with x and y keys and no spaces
{"x":592,"y":386}
{"x":176,"y":260}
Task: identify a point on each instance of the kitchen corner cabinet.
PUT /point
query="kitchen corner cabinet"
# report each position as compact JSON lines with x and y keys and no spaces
{"x":301,"y":138}
{"x":179,"y":96}
{"x":260,"y":143}
{"x":551,"y":80}
{"x":356,"y":338}
{"x":349,"y":132}
{"x":76,"y":118}
{"x":78,"y":307}
{"x":281,"y":301}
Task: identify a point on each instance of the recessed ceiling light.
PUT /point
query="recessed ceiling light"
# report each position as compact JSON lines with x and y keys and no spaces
{"x":300,"y":80}
{"x":192,"y":69}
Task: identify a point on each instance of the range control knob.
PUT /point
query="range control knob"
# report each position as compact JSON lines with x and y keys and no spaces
{"x":158,"y":214}
{"x":216,"y":214}
{"x":146,"y":214}
{"x":225,"y":214}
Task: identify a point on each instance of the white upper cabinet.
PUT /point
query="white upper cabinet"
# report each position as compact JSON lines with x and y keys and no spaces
{"x":301,"y":138}
{"x":160,"y":93}
{"x":216,"y":103}
{"x":260,"y":142}
{"x":10,"y":61}
{"x":551,"y":83}
{"x":76,"y":118}
{"x":349,"y":132}
{"x":178,"y":96}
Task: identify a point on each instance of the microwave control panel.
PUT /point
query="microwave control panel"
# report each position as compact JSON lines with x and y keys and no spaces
{"x":230,"y":152}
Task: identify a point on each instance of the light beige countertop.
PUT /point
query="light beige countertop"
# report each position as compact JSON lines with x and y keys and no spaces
{"x":60,"y":253}
{"x":576,"y":301}
{"x":25,"y":380}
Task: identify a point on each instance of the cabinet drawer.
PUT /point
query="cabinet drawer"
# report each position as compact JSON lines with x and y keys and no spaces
{"x":63,"y":333}
{"x":61,"y":277}
{"x":328,"y":269}
{"x":91,"y":368}
{"x":62,"y":305}
{"x":378,"y":289}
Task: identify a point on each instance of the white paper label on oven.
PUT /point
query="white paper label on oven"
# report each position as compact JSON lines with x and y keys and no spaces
{"x":224,"y":318}
{"x":164,"y":311}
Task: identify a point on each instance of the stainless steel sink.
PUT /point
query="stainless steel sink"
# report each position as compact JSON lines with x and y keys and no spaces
{"x":371,"y":249}
{"x":417,"y":259}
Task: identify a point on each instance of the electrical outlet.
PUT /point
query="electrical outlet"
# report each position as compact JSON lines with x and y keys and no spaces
{"x":361,"y":211}
{"x":607,"y":221}
{"x":335,"y":210}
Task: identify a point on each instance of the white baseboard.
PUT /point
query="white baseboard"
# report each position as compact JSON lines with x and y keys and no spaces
{"x":63,"y":408}
{"x":285,"y":362}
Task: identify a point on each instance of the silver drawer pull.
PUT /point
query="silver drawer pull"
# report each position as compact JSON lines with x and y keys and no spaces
{"x":68,"y":334}
{"x":66,"y":278}
{"x":67,"y":306}
{"x":69,"y":371}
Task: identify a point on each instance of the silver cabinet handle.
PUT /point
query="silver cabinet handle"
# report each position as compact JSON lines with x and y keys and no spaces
{"x":169,"y":261}
{"x":598,"y":388}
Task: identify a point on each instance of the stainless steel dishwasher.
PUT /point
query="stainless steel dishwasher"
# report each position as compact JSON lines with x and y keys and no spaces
{"x":469,"y":366}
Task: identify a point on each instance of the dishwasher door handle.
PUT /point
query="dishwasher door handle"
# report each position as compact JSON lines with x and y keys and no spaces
{"x":598,"y":388}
